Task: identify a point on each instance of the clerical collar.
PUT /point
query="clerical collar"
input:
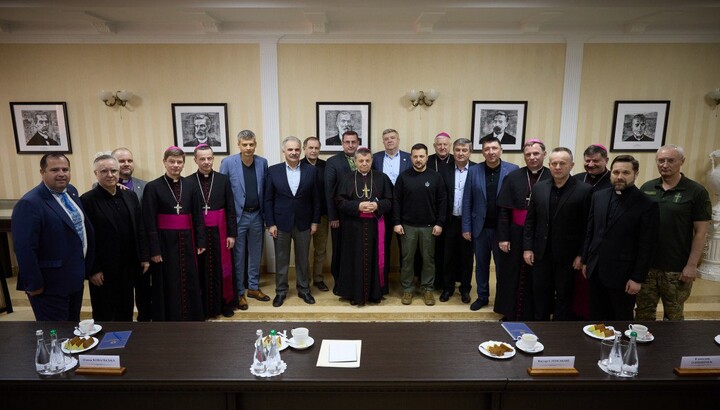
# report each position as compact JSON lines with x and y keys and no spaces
{"x":536,"y":171}
{"x":170,"y":179}
{"x":124,"y":181}
{"x":202,"y":141}
{"x":206,"y":175}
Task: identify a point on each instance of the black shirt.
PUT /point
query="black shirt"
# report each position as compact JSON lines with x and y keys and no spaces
{"x":251,"y":186}
{"x":492,"y":179}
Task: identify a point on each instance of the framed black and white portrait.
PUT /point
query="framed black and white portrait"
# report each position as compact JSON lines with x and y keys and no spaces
{"x":195,"y":124}
{"x":335,"y":118}
{"x":639,"y":125}
{"x":40,"y":127}
{"x":503,"y":119}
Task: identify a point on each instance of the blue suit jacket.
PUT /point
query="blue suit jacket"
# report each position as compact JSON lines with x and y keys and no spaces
{"x":285,"y":210}
{"x":48,"y":250}
{"x":475,"y":196}
{"x":379,"y":160}
{"x":232,"y":166}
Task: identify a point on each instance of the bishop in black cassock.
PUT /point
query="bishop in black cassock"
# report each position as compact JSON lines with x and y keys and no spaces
{"x":218,"y":209}
{"x":363,"y":256}
{"x":172,"y":211}
{"x":513,"y":293}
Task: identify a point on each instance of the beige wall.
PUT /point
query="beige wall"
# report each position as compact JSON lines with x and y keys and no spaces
{"x":379,"y":73}
{"x":681,"y":73}
{"x":382,"y":74}
{"x":158,"y":74}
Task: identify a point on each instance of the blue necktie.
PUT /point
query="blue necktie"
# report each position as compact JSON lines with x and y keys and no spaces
{"x":74,"y":216}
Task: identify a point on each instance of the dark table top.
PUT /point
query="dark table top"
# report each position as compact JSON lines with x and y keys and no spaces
{"x":441,"y":354}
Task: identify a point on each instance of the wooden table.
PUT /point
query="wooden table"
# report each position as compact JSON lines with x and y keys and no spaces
{"x":403,"y":365}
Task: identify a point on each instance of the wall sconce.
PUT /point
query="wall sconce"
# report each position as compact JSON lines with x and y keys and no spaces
{"x":420,"y":98}
{"x":112,"y":99}
{"x":715,"y":96}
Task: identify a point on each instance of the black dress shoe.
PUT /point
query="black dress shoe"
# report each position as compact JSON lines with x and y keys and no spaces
{"x":279,"y":300}
{"x":465,"y":297}
{"x":308,"y":298}
{"x":335,"y":292}
{"x":321,"y":286}
{"x":228,"y":311}
{"x":445,"y":296}
{"x":478,"y":304}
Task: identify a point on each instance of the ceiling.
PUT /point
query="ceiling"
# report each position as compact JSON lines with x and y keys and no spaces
{"x":357,"y":20}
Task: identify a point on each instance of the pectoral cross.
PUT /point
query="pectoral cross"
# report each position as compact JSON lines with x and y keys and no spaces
{"x":677,"y":197}
{"x":177,"y":207}
{"x":366,"y":191}
{"x":206,"y":208}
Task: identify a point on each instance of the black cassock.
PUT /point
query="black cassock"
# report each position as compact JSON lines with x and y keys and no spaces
{"x":359,"y":275}
{"x":513,"y":293}
{"x":215,"y":264}
{"x":176,"y":292}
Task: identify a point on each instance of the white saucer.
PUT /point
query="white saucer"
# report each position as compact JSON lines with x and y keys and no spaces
{"x":648,"y":337}
{"x":537,"y":349}
{"x":484,"y":345}
{"x":310,"y":341}
{"x":717,"y":339}
{"x":97,"y":328}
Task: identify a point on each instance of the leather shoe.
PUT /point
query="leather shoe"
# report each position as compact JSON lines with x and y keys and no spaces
{"x":428,"y":298}
{"x":242,"y":302}
{"x":478,"y":304}
{"x":258,"y":294}
{"x":308,"y":298}
{"x":228,"y":311}
{"x":465,"y":297}
{"x":407,"y":298}
{"x":321,"y":286}
{"x":279,"y":300}
{"x":445,"y":296}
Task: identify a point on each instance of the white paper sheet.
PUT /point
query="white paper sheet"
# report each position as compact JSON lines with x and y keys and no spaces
{"x":339,"y":353}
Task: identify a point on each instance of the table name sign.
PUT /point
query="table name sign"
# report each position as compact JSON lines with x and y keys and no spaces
{"x":553,"y":366}
{"x":100,"y":365}
{"x":699,"y":366}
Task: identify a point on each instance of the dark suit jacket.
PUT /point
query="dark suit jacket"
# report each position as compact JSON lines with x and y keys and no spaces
{"x":49,"y":251}
{"x":379,"y":159}
{"x":621,"y":248}
{"x":506,"y":138}
{"x":320,"y":167}
{"x":448,"y":174}
{"x":565,"y":230}
{"x":475,"y":196}
{"x":335,"y":167}
{"x":38,"y":139}
{"x":97,"y":210}
{"x":288,"y":211}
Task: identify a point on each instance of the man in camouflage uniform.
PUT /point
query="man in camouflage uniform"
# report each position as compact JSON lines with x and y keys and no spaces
{"x":685,"y":214}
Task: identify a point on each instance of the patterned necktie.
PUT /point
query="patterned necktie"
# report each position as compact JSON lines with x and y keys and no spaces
{"x":351,"y":162}
{"x":74,"y":215}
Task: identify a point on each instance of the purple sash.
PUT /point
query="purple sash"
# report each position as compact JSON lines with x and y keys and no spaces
{"x":381,"y":244}
{"x":174,"y":222}
{"x":217,"y":218}
{"x":518,"y":216}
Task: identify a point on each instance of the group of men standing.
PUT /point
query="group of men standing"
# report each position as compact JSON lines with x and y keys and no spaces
{"x":189,"y":248}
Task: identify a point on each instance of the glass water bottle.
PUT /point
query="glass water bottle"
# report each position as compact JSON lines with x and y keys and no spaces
{"x":259,"y":357}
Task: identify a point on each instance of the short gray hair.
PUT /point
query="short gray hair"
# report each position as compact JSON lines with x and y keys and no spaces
{"x":291,"y":138}
{"x":461,"y":141}
{"x":677,"y":148}
{"x":246,"y":135}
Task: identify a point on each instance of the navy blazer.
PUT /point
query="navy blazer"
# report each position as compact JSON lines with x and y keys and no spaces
{"x":49,"y":251}
{"x":233,"y":167}
{"x":288,"y":211}
{"x":475,"y":196}
{"x":621,"y":248}
{"x":379,"y":160}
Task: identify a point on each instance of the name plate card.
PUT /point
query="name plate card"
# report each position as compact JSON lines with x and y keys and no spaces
{"x":700,"y":362}
{"x":89,"y":360}
{"x":553,"y":362}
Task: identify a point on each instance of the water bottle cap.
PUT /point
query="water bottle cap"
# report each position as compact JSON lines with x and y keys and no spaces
{"x":38,"y":332}
{"x":633,"y":334}
{"x":273,"y":332}
{"x":53,"y":332}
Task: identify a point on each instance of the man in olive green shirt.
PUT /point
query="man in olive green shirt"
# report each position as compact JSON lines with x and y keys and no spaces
{"x":685,"y":213}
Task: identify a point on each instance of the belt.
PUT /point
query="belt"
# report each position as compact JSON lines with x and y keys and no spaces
{"x":253,"y":209}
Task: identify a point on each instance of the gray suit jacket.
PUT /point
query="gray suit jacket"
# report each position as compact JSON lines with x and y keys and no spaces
{"x":232,"y":166}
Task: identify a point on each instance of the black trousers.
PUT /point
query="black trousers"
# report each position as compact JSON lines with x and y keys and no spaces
{"x":553,"y":283}
{"x":458,"y":257}
{"x":609,"y":303}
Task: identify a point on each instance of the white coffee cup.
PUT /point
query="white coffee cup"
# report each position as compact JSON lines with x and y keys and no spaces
{"x":641,"y":330}
{"x":300,"y":335}
{"x":87,"y":326}
{"x":528,"y":341}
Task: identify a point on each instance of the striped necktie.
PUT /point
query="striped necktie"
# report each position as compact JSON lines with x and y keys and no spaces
{"x":74,"y":215}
